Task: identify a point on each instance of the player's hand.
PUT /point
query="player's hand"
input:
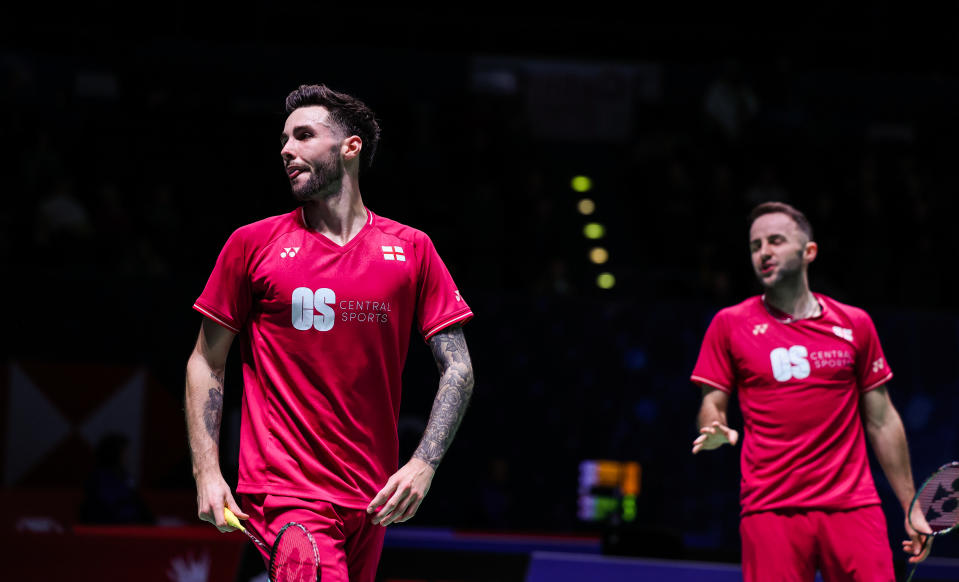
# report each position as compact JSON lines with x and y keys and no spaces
{"x":713,"y":436}
{"x":212,"y":495}
{"x":404,"y":491}
{"x":914,"y":545}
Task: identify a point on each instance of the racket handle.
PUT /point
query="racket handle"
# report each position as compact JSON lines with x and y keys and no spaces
{"x":911,"y":574}
{"x":231,"y":519}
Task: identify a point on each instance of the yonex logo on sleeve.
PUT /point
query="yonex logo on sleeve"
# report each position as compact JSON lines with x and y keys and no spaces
{"x":761,"y":328}
{"x":878,"y":365}
{"x":458,"y":296}
{"x":289,"y":252}
{"x":393,"y":253}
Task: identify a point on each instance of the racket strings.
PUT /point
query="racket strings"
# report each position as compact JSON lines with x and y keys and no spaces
{"x":939,"y":500}
{"x":295,"y":557}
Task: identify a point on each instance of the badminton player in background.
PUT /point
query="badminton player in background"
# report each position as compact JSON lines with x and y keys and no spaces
{"x":811,"y":379}
{"x":324,"y":299}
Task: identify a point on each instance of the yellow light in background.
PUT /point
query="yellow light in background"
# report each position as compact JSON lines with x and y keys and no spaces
{"x":581,"y":183}
{"x":594,"y":230}
{"x":631,"y":478}
{"x":586,"y":206}
{"x":605,"y":281}
{"x":608,"y":473}
{"x":598,"y":255}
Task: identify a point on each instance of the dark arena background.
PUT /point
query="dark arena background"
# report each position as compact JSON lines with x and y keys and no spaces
{"x":585,"y":172}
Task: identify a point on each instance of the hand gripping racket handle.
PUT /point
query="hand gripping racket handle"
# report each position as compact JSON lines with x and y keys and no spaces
{"x":233,"y":521}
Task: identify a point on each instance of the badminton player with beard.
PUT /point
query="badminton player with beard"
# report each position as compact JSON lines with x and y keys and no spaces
{"x":811,"y":380}
{"x":324,"y":299}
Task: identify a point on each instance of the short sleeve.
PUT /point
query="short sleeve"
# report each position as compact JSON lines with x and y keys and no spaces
{"x":227,"y":297}
{"x":714,"y":365}
{"x":439,"y":303}
{"x":872,"y":369}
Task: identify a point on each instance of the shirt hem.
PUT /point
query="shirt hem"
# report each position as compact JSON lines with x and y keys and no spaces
{"x":812,"y":507}
{"x":446,"y":323}
{"x":216,"y":318}
{"x":712,"y":383}
{"x":312,"y":494}
{"x":878,"y":383}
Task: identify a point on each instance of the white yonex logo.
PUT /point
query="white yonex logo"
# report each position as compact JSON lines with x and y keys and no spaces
{"x":878,"y":365}
{"x":761,"y":328}
{"x":289,"y":252}
{"x":458,"y":296}
{"x":393,"y":254}
{"x":842,"y":332}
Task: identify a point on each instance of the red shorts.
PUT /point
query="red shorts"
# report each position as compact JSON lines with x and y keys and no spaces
{"x":790,"y":546}
{"x":348,"y":544}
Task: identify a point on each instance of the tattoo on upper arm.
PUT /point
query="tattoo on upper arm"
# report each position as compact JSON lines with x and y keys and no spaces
{"x":452,"y":398}
{"x":213,"y":413}
{"x":449,"y":349}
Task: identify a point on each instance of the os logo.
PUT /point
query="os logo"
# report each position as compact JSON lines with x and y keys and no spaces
{"x":789,"y":364}
{"x":311,"y":309}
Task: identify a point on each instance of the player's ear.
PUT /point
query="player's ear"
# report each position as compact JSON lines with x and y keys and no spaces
{"x":810,"y":252}
{"x":351,"y":147}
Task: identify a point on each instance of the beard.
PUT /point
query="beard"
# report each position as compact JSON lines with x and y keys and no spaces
{"x":789,"y":275}
{"x":323,"y":181}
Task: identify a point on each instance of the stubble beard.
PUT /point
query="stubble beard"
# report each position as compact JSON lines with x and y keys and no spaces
{"x":786,"y":278}
{"x":324,"y":180}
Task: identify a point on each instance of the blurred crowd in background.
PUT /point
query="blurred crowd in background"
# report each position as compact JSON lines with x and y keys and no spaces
{"x":127,"y":172}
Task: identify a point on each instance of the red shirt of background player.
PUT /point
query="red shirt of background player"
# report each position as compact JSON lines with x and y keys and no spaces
{"x":798,"y":385}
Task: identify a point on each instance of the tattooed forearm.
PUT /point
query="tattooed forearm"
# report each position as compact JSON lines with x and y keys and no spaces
{"x":218,"y":378}
{"x":213,"y":413}
{"x":452,"y":398}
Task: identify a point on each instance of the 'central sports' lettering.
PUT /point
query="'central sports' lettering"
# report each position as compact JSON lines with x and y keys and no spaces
{"x":313,"y":309}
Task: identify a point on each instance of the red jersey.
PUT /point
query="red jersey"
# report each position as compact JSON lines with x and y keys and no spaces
{"x":799,"y":388}
{"x":324,"y":331}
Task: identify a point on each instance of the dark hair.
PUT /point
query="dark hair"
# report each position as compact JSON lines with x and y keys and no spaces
{"x":347,"y":113}
{"x":772,"y":207}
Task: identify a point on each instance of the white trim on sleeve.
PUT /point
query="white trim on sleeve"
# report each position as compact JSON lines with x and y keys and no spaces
{"x":878,"y":383}
{"x":215,"y":318}
{"x":432,"y":331}
{"x":709,"y":382}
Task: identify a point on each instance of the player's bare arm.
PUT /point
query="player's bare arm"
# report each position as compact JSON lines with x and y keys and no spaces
{"x":713,"y":429}
{"x":887,"y":436}
{"x":405,"y":490}
{"x":456,"y":387}
{"x":204,"y":412}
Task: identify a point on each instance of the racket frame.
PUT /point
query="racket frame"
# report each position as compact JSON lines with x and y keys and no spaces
{"x":276,"y":546}
{"x":915,"y":499}
{"x":912,"y":505}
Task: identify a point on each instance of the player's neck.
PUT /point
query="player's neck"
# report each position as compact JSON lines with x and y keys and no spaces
{"x":339,"y":217}
{"x":793,"y":302}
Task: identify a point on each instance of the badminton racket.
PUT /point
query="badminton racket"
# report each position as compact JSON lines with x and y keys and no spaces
{"x":233,"y":521}
{"x":938,"y":500}
{"x":293,"y":557}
